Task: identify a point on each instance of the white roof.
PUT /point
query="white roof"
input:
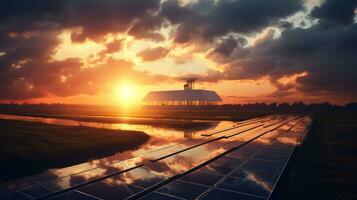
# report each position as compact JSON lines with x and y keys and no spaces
{"x":182,"y":95}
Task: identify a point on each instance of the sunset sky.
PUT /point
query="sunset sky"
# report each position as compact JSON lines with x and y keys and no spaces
{"x":115,"y":51}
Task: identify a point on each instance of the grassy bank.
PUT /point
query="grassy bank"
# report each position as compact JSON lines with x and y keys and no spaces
{"x":27,"y":147}
{"x":324,"y":167}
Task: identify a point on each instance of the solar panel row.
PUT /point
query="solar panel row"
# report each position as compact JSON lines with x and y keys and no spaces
{"x":183,"y":171}
{"x":33,"y":181}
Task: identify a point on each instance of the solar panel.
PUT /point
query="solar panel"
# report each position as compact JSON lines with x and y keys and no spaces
{"x":75,"y":195}
{"x":202,"y":178}
{"x":229,"y":195}
{"x":160,"y":196}
{"x":233,"y":166}
{"x":183,"y":189}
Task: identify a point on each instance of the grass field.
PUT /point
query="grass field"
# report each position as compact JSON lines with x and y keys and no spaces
{"x":27,"y":147}
{"x":325,"y":166}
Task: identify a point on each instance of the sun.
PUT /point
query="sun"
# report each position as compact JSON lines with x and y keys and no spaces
{"x":127,"y":94}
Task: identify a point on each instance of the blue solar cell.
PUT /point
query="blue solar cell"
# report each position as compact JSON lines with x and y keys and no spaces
{"x":111,"y":189}
{"x":245,"y":173}
{"x":260,"y":165}
{"x":183,"y":189}
{"x":37,"y":191}
{"x":202,"y":178}
{"x":240,"y":154}
{"x":280,"y":147}
{"x":229,"y":161}
{"x":66,"y":182}
{"x":228,"y":195}
{"x":15,"y":196}
{"x":251,"y":147}
{"x":216,"y":169}
{"x":249,"y":186}
{"x":142,"y":177}
{"x":74,"y":195}
{"x":231,"y":183}
{"x":158,"y":196}
{"x":16,"y":185}
{"x":223,"y":165}
{"x":149,"y":181}
{"x":4,"y":191}
{"x":53,"y":186}
{"x":277,"y":153}
{"x":270,"y":156}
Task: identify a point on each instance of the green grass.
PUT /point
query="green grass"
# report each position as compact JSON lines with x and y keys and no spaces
{"x":28,"y":147}
{"x":325,"y":166}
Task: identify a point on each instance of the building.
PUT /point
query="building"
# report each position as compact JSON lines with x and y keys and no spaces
{"x":189,"y":96}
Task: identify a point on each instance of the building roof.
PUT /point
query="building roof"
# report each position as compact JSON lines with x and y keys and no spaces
{"x":182,"y":95}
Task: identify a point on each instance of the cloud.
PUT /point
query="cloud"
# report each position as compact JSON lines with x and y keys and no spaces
{"x":335,"y":12}
{"x":110,"y":48}
{"x":227,"y":45}
{"x":152,"y":54}
{"x":96,"y":18}
{"x":208,"y":19}
{"x":147,"y":28}
{"x":29,"y":36}
{"x":327,"y":55}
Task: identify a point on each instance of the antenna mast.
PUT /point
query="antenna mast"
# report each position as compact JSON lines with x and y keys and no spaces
{"x":190,"y":83}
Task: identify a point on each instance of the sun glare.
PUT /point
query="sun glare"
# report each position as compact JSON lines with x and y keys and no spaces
{"x":127,"y":94}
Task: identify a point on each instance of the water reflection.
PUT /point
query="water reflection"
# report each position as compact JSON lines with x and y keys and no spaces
{"x":166,"y":128}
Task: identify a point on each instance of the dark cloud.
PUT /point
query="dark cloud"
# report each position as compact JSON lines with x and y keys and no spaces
{"x":327,"y":55}
{"x":227,"y":46}
{"x":207,"y":19}
{"x":113,"y":46}
{"x":96,"y":18}
{"x":38,"y":78}
{"x":26,"y":69}
{"x":110,"y":48}
{"x":147,"y":28}
{"x":335,"y":12}
{"x":38,"y":8}
{"x":152,"y":54}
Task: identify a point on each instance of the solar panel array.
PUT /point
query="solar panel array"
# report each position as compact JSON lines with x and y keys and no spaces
{"x":244,"y":161}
